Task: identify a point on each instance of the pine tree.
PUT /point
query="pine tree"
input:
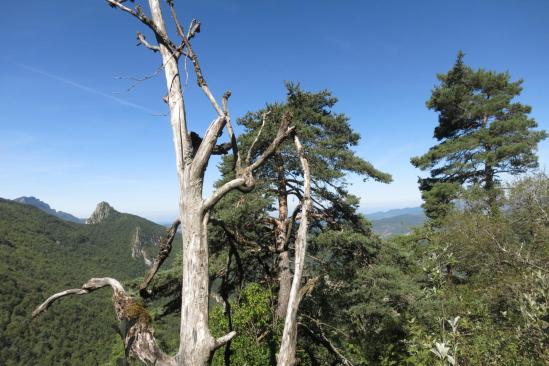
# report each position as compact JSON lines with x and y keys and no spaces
{"x":263,"y":226}
{"x":328,"y":140}
{"x":482,"y":133}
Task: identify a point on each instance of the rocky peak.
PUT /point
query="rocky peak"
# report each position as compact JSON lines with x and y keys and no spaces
{"x":102,"y":211}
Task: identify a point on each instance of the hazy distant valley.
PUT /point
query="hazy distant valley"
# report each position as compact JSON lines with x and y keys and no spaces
{"x":384,"y":223}
{"x":397,"y":221}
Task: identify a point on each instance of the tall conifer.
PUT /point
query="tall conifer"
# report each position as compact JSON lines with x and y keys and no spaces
{"x":482,"y":133}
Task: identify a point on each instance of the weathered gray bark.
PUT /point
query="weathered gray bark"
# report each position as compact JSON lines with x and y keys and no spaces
{"x":288,"y":344}
{"x":281,"y":244}
{"x":197,"y":345}
{"x":135,"y":323}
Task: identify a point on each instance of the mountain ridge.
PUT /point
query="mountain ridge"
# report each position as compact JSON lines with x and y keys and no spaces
{"x":43,"y":254}
{"x":378,"y":215}
{"x":36,"y":202}
{"x":396,"y":221}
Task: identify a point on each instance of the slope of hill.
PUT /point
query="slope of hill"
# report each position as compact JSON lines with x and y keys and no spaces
{"x":42,"y":254}
{"x":398,"y":221}
{"x":395,"y":212}
{"x":401,"y":224}
{"x":33,"y":201}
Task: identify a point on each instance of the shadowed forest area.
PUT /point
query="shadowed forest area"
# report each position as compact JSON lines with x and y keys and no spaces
{"x":277,"y":265}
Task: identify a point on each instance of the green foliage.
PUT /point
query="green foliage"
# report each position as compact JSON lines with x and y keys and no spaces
{"x":326,"y":135}
{"x":328,"y":142}
{"x":252,"y":318}
{"x":472,"y":289}
{"x":490,"y":271}
{"x":533,"y":331}
{"x":41,"y":255}
{"x":483,"y":134}
{"x":438,"y":197}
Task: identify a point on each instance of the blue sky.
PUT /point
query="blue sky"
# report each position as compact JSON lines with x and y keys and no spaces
{"x":72,"y":135}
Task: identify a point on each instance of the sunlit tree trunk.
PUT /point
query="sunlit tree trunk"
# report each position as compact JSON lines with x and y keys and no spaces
{"x":197,"y":345}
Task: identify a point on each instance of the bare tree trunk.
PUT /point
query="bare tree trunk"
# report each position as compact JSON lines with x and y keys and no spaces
{"x":281,"y":244}
{"x":288,"y":345}
{"x":196,"y":342}
{"x":197,"y":345}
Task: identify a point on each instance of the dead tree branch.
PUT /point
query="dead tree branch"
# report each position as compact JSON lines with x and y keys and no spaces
{"x":135,"y":323}
{"x":245,"y":175}
{"x":230,"y":130}
{"x":165,"y":248}
{"x":142,"y":40}
{"x":288,"y":344}
{"x":138,"y":13}
{"x":250,"y":150}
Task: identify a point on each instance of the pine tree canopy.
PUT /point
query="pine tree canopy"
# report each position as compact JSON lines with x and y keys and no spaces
{"x":327,"y":136}
{"x":482,"y":133}
{"x":328,"y":140}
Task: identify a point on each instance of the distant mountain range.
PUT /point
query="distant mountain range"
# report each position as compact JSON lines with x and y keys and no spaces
{"x":44,"y":250}
{"x":396,"y":212}
{"x":398,"y":221}
{"x":385,"y":223}
{"x":33,"y":201}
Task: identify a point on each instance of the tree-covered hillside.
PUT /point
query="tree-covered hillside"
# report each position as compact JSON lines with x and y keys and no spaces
{"x":399,"y":224}
{"x":41,"y":254}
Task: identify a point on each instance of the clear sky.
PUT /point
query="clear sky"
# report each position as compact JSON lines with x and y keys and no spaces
{"x":72,"y":135}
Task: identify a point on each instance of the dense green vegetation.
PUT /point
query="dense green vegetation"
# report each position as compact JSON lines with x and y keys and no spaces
{"x":473,"y":289}
{"x":468,"y":287}
{"x":484,"y":289}
{"x":42,"y":254}
{"x":475,"y":284}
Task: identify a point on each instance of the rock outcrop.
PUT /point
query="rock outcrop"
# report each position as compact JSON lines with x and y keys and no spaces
{"x":141,"y":244}
{"x":102,"y":211}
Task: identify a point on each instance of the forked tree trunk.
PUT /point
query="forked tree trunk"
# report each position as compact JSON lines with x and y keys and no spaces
{"x":288,"y":344}
{"x":197,"y":345}
{"x":196,"y":341}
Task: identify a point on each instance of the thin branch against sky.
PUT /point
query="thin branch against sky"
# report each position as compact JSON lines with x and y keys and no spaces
{"x":87,"y":88}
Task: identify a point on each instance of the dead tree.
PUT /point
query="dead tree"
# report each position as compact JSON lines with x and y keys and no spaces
{"x":197,"y":345}
{"x":288,"y":344}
